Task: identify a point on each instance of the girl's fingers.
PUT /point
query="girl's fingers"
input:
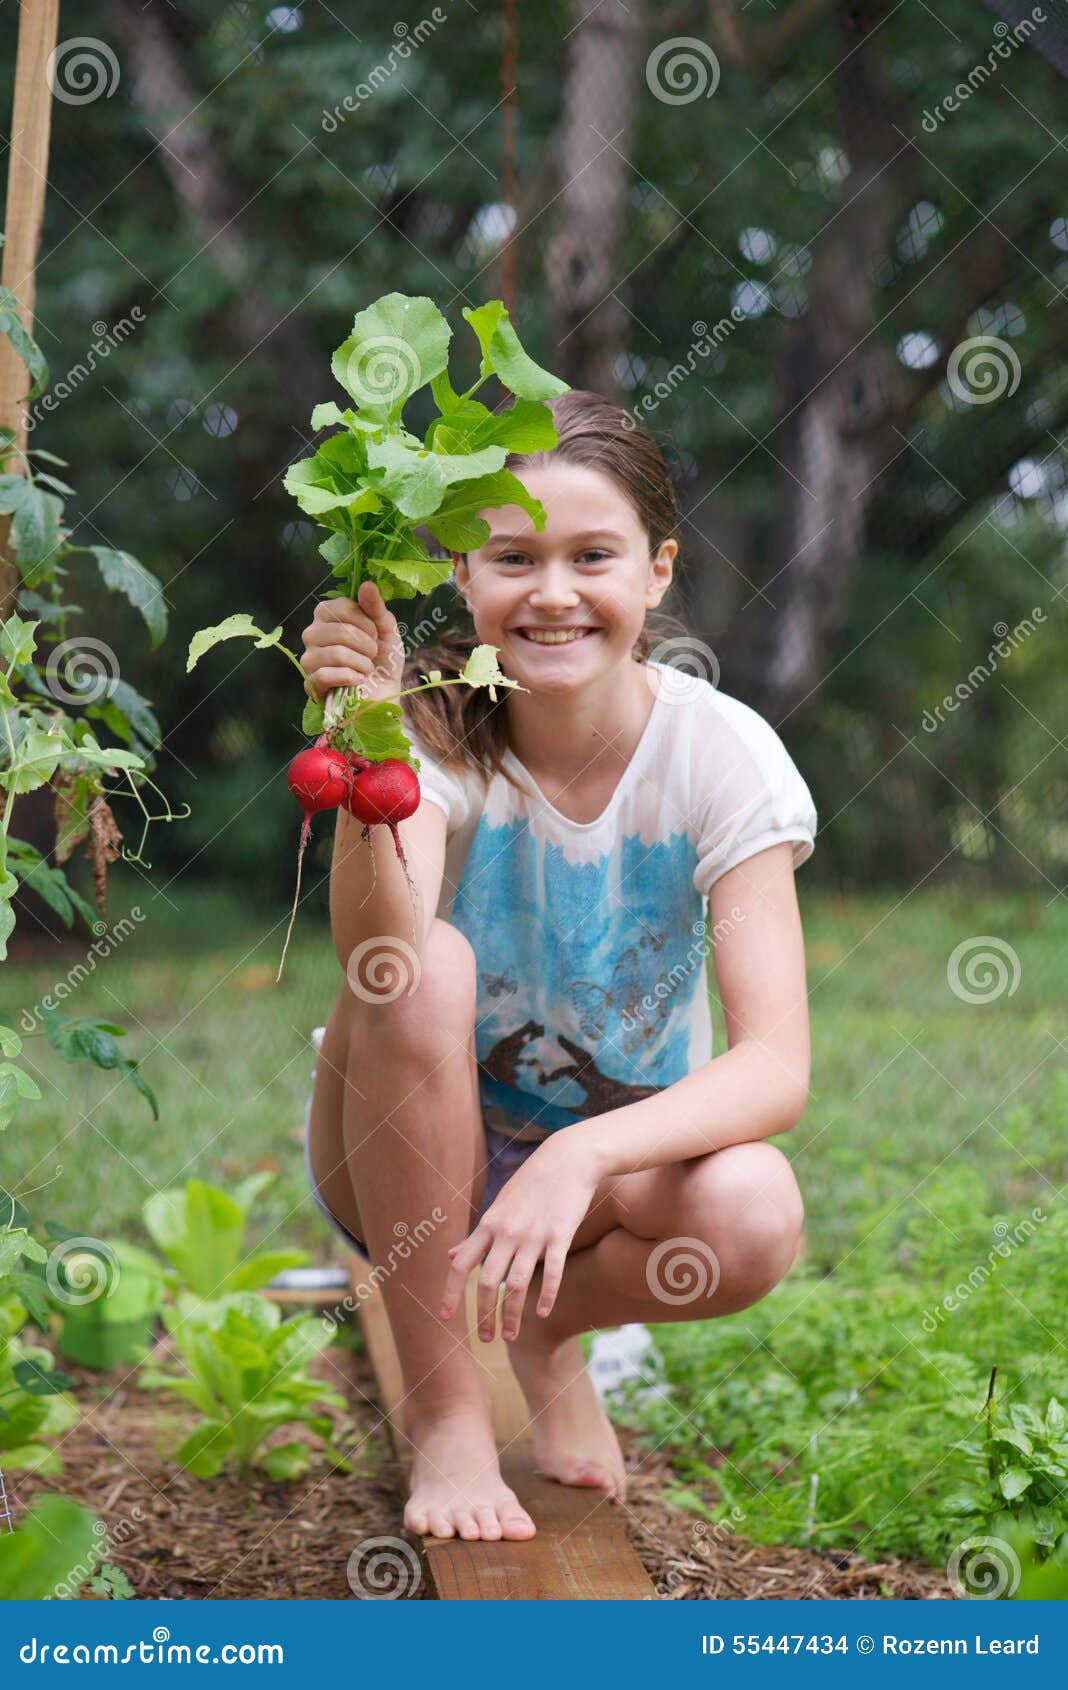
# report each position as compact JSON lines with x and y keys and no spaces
{"x":464,"y":1256}
{"x":516,"y":1295}
{"x":327,"y":679}
{"x":385,"y":623}
{"x":354,"y":643}
{"x":552,"y":1274}
{"x":336,"y":656}
{"x":489,"y":1287}
{"x":372,"y":603}
{"x":332,"y":615}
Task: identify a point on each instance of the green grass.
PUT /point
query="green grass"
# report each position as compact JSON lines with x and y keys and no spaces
{"x":931,"y":1120}
{"x":224,"y":1048}
{"x":846,"y":1408}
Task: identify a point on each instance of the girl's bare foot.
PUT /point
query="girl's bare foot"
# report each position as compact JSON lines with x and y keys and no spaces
{"x":574,"y":1440}
{"x":456,"y":1485}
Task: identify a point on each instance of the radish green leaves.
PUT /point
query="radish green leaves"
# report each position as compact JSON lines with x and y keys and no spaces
{"x":373,"y":482}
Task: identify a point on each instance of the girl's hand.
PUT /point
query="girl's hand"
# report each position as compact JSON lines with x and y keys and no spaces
{"x":534,"y":1216}
{"x":353,"y":643}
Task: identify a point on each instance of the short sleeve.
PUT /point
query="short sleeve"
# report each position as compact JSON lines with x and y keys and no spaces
{"x":446,"y":787}
{"x":755,"y":797}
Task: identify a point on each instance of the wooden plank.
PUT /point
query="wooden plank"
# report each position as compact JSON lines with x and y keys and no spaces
{"x":27,"y":178}
{"x":295,"y":1297}
{"x":581,"y":1550}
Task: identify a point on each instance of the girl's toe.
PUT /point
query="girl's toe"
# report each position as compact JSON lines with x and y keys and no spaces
{"x":489,"y":1525}
{"x":515,"y":1523}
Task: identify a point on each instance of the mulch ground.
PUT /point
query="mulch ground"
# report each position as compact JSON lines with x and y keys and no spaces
{"x":230,"y":1538}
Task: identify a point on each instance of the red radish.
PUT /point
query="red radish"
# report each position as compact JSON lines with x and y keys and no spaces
{"x":385,"y":792}
{"x":319,"y":778}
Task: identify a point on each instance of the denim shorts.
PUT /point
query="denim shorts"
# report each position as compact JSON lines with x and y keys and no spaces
{"x":505,"y":1156}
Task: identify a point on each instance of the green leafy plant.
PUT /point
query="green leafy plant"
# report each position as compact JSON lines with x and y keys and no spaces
{"x":1041,"y":1580}
{"x":49,"y":1549}
{"x":201,"y":1231}
{"x":33,"y":1403}
{"x":370,"y":485}
{"x":59,"y":701}
{"x":1022,"y":1471}
{"x":787,"y":1410}
{"x":111,"y":1583}
{"x":57,"y":692}
{"x":246,"y":1374}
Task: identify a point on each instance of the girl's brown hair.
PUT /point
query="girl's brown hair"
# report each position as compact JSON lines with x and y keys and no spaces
{"x":461,"y":725}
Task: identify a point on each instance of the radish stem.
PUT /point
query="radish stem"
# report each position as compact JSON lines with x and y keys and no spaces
{"x":305,"y":834}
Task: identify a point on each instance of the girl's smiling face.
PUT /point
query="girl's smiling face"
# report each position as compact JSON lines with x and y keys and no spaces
{"x":588,"y":569}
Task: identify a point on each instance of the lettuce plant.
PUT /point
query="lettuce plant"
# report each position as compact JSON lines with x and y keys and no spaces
{"x":246,"y":1374}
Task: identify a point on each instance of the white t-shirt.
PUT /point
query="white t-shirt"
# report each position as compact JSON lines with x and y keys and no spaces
{"x":591,"y":938}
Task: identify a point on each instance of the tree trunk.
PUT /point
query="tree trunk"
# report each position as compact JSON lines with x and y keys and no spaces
{"x":198,"y":177}
{"x":601,"y":94}
{"x":840,"y":391}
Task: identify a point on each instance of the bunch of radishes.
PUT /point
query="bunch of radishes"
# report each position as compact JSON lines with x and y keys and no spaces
{"x":372,"y":485}
{"x":322,"y":778}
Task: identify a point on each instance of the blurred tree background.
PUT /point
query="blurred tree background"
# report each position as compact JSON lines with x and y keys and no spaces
{"x":821,"y":251}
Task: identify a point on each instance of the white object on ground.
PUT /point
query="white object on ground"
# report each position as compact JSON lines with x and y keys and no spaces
{"x":317,"y":1034}
{"x":310,"y":1279}
{"x":623,"y":1355}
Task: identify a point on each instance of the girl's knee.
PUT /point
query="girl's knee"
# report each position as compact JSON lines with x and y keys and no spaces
{"x":749,"y":1209}
{"x":393,"y":992}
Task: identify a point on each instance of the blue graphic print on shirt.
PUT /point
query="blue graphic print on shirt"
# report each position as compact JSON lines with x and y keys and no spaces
{"x":586,"y":970}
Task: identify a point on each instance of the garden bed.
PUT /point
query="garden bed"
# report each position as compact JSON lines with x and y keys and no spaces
{"x":228,"y":1538}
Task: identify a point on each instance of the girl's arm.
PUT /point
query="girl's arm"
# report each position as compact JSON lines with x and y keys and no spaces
{"x":759,"y":1086}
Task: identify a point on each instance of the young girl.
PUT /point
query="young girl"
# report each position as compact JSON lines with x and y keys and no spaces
{"x":537,"y":1098}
